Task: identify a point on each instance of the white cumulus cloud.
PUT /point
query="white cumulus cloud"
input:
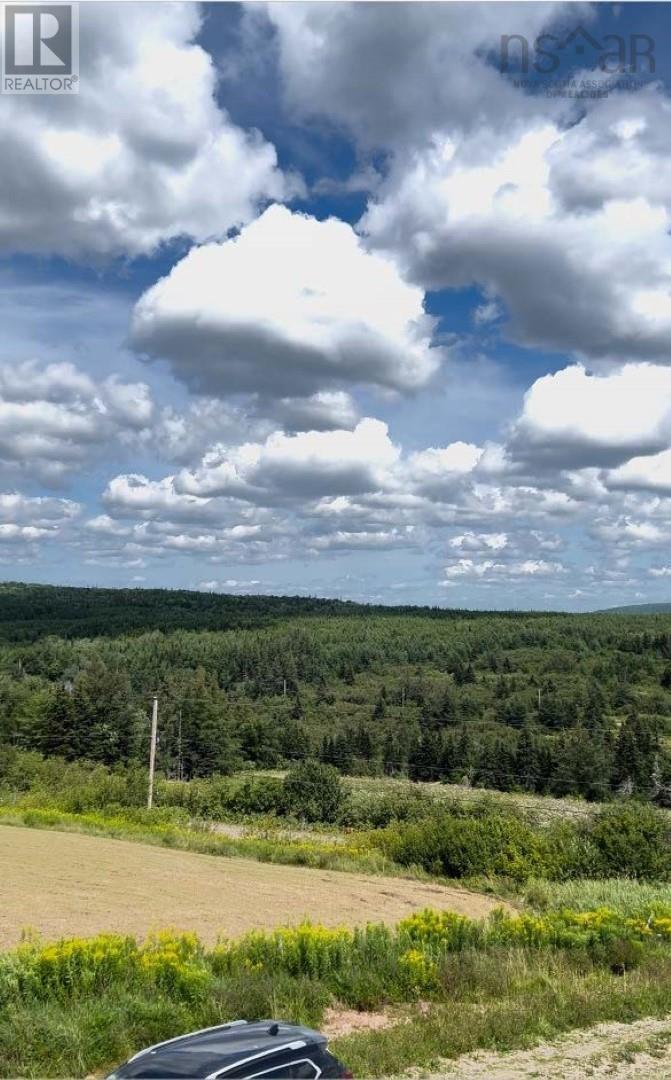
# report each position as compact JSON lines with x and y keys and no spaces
{"x":291,"y":306}
{"x":142,"y":154}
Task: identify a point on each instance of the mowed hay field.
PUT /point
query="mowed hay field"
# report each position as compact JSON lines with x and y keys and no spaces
{"x":68,"y":884}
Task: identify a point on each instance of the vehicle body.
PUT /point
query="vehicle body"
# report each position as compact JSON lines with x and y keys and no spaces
{"x":260,"y":1048}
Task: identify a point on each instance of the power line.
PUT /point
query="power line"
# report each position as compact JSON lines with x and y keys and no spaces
{"x":439,"y":772}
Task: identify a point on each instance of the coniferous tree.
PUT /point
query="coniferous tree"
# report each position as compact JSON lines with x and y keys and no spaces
{"x":527,"y":765}
{"x":425,"y":757}
{"x":380,"y":710}
{"x":209,"y":746}
{"x":636,"y":755}
{"x":594,"y":713}
{"x":104,"y":714}
{"x":59,"y":726}
{"x":390,"y":755}
{"x":294,"y":742}
{"x":582,"y":765}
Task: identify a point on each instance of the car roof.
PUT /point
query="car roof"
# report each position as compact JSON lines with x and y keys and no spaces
{"x":213,"y":1050}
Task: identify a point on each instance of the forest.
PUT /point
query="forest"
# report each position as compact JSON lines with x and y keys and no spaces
{"x":548,"y":703}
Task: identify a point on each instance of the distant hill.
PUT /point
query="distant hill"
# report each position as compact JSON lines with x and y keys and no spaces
{"x":29,"y":612}
{"x":637,"y":609}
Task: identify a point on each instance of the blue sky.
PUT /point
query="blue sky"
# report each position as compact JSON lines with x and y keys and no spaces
{"x":312,"y":298}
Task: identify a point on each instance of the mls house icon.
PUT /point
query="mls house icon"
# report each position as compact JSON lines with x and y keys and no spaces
{"x":40,"y":49}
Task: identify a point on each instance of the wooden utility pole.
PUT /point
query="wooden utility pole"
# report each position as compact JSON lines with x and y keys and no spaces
{"x":179,"y":746}
{"x":152,"y":751}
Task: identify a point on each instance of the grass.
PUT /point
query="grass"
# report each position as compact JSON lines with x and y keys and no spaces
{"x":543,"y":1002}
{"x":624,"y":895}
{"x":654,"y":1045}
{"x":541,"y":809}
{"x":81,"y":1005}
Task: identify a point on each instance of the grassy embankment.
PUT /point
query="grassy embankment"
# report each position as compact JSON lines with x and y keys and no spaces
{"x":80,"y":1005}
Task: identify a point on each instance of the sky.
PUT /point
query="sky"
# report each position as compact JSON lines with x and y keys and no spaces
{"x":329,"y":299}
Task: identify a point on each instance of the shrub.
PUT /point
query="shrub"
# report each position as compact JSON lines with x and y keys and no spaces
{"x":261,"y":795}
{"x":625,"y":840}
{"x":459,"y":846}
{"x":313,"y":791}
{"x":378,"y":808}
{"x":632,"y":839}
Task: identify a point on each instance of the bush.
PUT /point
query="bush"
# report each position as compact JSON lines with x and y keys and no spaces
{"x":313,"y":791}
{"x":632,"y":839}
{"x":372,"y":963}
{"x":261,"y":795}
{"x":626,"y":840}
{"x":366,"y":808}
{"x":458,"y":845}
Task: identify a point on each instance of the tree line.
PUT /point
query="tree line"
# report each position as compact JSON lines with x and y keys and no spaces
{"x":560,"y":704}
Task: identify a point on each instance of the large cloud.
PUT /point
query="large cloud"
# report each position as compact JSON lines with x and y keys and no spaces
{"x":341,"y":490}
{"x":240,"y":538}
{"x":486,"y":569}
{"x":133,"y":493}
{"x":652,"y":473}
{"x":487,"y":515}
{"x":307,"y":465}
{"x":140,"y":155}
{"x":577,"y":419}
{"x":582,"y":262}
{"x":562,"y":216}
{"x":292,"y":306}
{"x":39,"y":511}
{"x":393,"y":74}
{"x":323,"y":411}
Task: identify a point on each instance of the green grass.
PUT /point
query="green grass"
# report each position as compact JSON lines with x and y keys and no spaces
{"x":548,"y":998}
{"x":97,"y":1032}
{"x":81,"y":1007}
{"x":542,"y":809}
{"x":624,"y":895}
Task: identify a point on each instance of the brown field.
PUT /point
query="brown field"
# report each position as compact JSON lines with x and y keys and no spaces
{"x":65,"y":884}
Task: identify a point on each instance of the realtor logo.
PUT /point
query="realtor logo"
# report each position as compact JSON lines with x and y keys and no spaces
{"x":40,"y":49}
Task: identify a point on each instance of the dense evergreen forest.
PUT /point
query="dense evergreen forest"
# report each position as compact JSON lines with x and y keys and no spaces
{"x":551,"y":703}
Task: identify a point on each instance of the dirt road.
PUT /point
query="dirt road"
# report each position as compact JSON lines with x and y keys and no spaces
{"x":614,"y":1051}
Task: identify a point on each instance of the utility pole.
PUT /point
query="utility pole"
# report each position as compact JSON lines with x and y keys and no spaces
{"x":179,"y":745}
{"x":152,"y":751}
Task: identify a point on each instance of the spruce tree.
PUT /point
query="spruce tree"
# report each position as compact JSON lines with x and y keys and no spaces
{"x":58,"y":737}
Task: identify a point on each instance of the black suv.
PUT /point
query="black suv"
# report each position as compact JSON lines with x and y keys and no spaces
{"x":264,"y":1048}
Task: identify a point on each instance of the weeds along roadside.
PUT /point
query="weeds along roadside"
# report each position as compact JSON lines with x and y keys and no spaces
{"x":80,"y":1004}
